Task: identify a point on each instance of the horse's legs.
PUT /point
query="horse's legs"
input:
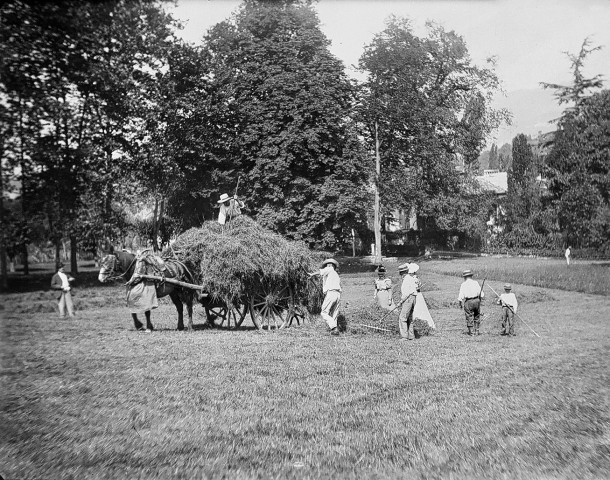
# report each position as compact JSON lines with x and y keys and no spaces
{"x":189,"y":310}
{"x":149,"y":324}
{"x":178,"y":303}
{"x":136,"y":322}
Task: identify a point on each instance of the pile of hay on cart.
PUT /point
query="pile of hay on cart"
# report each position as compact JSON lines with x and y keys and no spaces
{"x":236,"y":261}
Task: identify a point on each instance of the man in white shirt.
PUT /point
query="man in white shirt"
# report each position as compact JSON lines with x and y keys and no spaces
{"x":508,"y":300}
{"x":408,"y":291}
{"x":61,"y":281}
{"x":331,"y":287}
{"x":568,"y":254}
{"x":469,"y":298}
{"x":229,"y":208}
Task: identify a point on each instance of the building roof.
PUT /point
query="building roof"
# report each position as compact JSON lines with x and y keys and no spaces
{"x":493,"y":181}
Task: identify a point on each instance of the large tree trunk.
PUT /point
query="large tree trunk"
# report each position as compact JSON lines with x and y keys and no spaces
{"x":155,"y":231}
{"x":377,"y":220}
{"x":160,"y":223}
{"x":57,"y":251}
{"x":73,"y":255}
{"x":3,"y":271}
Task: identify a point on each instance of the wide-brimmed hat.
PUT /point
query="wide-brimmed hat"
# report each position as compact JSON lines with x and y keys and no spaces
{"x":403,"y":268}
{"x":508,"y":286}
{"x":223,"y":198}
{"x":330,"y":260}
{"x":413,"y":267}
{"x":467,"y":273}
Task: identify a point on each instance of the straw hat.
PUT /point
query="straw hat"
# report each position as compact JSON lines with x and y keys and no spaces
{"x":330,"y":260}
{"x":403,"y":268}
{"x":508,"y":286}
{"x":413,"y":267}
{"x":466,"y":273}
{"x":223,"y":198}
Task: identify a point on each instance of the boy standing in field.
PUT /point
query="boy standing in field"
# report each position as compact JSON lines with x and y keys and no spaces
{"x":469,"y":298}
{"x":331,"y":287}
{"x":508,"y":300}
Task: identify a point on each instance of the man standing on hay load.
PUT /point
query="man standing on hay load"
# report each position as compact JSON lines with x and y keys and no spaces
{"x":469,"y":298}
{"x":408,"y":292}
{"x":331,"y":287}
{"x":229,"y":208}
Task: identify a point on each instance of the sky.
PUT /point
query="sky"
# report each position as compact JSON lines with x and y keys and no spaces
{"x":528,"y":38}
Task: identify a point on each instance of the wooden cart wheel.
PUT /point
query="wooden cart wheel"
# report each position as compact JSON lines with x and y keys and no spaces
{"x":270,"y":305}
{"x":217,"y":315}
{"x":221,"y":316}
{"x":239,"y":312}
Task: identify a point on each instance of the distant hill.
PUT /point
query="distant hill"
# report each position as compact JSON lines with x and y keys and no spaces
{"x":533,"y":111}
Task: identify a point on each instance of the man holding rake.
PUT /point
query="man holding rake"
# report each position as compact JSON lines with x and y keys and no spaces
{"x":509,"y":304}
{"x":331,"y":287}
{"x":408,"y":291}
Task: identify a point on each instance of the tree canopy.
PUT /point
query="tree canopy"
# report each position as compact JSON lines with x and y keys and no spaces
{"x":286,"y":105}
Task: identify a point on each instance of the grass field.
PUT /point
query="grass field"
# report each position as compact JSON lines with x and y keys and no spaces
{"x":580,"y":276}
{"x":91,"y":398}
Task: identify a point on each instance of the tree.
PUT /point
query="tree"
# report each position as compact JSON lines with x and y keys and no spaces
{"x":505,"y":157}
{"x":285,"y":106}
{"x":578,"y":164}
{"x":80,"y":76}
{"x":494,"y":163}
{"x":523,"y":197}
{"x":425,"y":105}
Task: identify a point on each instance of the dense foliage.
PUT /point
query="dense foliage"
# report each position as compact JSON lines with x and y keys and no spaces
{"x":427,"y":106}
{"x":109,"y":123}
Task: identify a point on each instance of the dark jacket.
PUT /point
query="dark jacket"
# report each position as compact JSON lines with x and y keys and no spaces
{"x":57,"y":285}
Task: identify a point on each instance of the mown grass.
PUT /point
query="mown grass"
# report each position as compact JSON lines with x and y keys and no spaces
{"x":586,"y":277}
{"x":91,"y":398}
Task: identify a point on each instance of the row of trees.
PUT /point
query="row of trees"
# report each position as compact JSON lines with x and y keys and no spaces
{"x":105,"y":110}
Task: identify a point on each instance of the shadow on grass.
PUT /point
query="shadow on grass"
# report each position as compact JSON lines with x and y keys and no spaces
{"x":40,"y":279}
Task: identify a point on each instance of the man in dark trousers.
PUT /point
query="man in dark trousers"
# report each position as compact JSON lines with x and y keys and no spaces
{"x":470,"y":299}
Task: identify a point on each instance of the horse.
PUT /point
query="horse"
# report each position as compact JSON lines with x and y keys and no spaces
{"x":122,"y":265}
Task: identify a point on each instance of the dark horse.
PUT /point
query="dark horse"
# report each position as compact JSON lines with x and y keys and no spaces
{"x":121,"y":266}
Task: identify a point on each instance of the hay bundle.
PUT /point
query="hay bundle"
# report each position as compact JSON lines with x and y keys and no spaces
{"x":235,"y":261}
{"x":374,"y":319}
{"x":371,"y":319}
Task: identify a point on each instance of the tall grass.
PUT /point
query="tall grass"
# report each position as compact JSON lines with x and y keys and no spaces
{"x":585,"y":277}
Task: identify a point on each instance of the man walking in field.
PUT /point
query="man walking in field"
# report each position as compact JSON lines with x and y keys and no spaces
{"x":469,"y":298}
{"x":568,"y":254}
{"x":509,"y":304}
{"x":408,"y":291}
{"x":331,"y":287}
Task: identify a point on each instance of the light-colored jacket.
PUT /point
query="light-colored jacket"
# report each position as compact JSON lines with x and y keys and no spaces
{"x":330,"y":279}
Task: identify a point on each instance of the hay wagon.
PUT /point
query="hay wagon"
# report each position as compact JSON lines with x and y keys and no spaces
{"x":244,"y":269}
